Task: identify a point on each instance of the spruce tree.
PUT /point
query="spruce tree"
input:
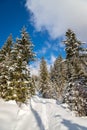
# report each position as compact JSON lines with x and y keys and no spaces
{"x":58,"y":76}
{"x":19,"y":84}
{"x":73,"y":49}
{"x":44,"y":79}
{"x":75,"y":72}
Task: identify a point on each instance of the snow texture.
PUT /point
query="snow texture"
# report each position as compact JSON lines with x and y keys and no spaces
{"x":39,"y":114}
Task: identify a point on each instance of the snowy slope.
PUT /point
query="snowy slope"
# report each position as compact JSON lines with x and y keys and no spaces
{"x":39,"y":114}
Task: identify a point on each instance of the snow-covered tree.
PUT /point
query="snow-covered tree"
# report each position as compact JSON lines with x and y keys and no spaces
{"x":75,"y":71}
{"x":73,"y":46}
{"x":19,"y":86}
{"x":44,"y":83}
{"x":58,"y":76}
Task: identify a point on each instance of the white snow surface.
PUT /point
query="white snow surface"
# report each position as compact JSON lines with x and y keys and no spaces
{"x":39,"y":114}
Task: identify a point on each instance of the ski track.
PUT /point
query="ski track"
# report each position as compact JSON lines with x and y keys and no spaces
{"x":39,"y":114}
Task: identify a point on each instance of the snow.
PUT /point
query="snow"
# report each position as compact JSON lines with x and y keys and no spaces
{"x":39,"y":114}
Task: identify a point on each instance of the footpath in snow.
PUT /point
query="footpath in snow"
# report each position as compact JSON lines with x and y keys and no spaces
{"x":39,"y":114}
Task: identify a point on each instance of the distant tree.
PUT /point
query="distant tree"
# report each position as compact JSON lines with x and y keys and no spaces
{"x":35,"y":80}
{"x":44,"y":79}
{"x":58,"y":76}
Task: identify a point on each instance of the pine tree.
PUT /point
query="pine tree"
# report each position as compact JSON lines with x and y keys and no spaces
{"x":73,"y":46}
{"x":76,"y":74}
{"x":19,"y":86}
{"x":73,"y":49}
{"x":44,"y":79}
{"x":58,"y":76}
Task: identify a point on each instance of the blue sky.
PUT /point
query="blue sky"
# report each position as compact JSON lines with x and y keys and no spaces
{"x":46,"y":21}
{"x":13,"y":16}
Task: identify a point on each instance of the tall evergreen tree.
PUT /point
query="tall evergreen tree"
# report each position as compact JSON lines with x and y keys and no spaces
{"x":75,"y":72}
{"x":44,"y":79}
{"x":73,"y":48}
{"x":58,"y":76}
{"x":19,"y":84}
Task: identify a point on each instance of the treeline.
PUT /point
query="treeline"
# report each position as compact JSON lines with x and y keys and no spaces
{"x":66,"y":81}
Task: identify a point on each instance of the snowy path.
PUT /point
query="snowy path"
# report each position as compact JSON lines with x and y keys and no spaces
{"x":57,"y":117}
{"x":39,"y":114}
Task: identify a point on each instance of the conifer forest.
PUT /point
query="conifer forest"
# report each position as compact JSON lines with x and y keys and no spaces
{"x":66,"y":81}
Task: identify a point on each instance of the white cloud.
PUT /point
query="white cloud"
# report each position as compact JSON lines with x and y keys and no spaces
{"x":57,"y":16}
{"x":53,"y":58}
{"x":43,"y":51}
{"x":50,"y":61}
{"x":48,"y":44}
{"x":34,"y":68}
{"x":46,"y":48}
{"x":61,"y":45}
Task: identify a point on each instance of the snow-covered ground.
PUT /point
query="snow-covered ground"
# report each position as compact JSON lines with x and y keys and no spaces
{"x":39,"y":114}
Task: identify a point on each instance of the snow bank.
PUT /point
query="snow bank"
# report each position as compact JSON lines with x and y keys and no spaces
{"x":39,"y":114}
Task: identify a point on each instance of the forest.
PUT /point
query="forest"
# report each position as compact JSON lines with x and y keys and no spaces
{"x":66,"y":81}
